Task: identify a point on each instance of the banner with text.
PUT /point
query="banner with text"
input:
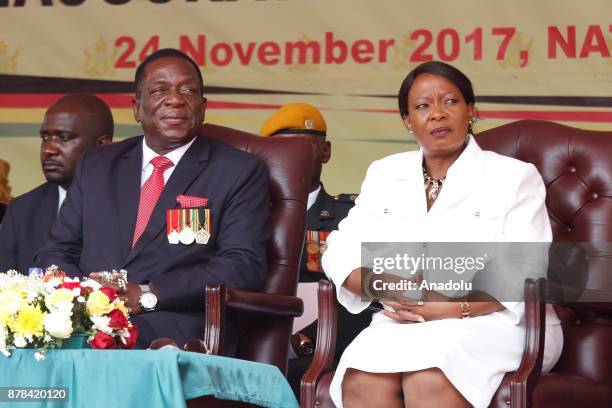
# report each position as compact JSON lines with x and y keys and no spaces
{"x":546,"y":60}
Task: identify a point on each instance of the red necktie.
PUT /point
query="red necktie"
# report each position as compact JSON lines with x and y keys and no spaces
{"x":149,"y":194}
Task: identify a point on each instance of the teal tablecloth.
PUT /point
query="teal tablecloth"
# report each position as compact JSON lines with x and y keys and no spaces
{"x":143,"y":378}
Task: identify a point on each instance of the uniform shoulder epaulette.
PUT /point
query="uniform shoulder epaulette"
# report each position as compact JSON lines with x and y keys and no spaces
{"x":345,"y":198}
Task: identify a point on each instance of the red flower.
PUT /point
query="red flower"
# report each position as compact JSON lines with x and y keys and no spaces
{"x":118,"y":320}
{"x":130,"y":342}
{"x":110,"y":292}
{"x":71,"y":285}
{"x":103,"y":341}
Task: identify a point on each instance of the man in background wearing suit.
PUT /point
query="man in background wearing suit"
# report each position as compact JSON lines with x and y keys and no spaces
{"x":304,"y":121}
{"x":174,"y":208}
{"x":72,"y":125}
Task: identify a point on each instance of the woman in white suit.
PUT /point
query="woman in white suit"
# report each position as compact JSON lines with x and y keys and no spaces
{"x":448,"y":352}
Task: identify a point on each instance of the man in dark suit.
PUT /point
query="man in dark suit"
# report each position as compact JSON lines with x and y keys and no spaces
{"x":72,"y":125}
{"x":176,"y":209}
{"x":301,"y":120}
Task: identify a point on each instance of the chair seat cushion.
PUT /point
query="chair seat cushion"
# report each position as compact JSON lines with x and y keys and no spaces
{"x":559,"y":391}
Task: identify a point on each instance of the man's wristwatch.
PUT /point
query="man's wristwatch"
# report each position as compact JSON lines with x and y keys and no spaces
{"x":148,"y":300}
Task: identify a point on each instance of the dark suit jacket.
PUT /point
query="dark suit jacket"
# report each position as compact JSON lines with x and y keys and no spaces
{"x":26,"y":225}
{"x":96,"y":224}
{"x":324,"y":215}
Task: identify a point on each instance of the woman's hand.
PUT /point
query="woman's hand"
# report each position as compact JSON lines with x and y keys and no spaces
{"x":419,"y":312}
{"x":434,"y":306}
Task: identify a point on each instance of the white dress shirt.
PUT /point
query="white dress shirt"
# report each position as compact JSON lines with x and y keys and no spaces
{"x":148,"y":154}
{"x":62,"y":196}
{"x":312,"y":197}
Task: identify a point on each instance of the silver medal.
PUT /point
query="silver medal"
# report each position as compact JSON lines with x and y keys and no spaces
{"x":173,"y":238}
{"x":187,"y":236}
{"x":202,"y":236}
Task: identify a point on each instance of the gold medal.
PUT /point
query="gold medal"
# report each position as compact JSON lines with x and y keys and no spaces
{"x":312,"y":247}
{"x":316,"y":244}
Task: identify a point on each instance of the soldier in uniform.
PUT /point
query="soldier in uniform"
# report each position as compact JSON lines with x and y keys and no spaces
{"x":300,"y":120}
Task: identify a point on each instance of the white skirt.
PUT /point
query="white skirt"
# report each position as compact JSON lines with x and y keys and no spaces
{"x":474,"y":354}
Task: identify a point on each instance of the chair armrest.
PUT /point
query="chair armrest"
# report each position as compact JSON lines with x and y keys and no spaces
{"x":264,"y":303}
{"x":323,"y":359}
{"x":524,"y":380}
{"x":214,"y":310}
{"x":219,"y":298}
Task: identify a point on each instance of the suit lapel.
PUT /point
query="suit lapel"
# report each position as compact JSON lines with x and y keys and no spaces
{"x":188,"y":169}
{"x":48,"y":211}
{"x":128,"y":176}
{"x":322,"y":203}
{"x":462,"y":178}
{"x":407,"y":193}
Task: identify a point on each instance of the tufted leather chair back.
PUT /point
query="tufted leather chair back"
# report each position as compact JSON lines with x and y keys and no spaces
{"x":576,"y":166}
{"x":289,"y":162}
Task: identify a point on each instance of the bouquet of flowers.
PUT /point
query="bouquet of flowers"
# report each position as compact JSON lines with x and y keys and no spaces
{"x":41,"y":310}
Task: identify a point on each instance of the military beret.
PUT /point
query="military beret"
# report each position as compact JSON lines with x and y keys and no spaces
{"x":295,"y":118}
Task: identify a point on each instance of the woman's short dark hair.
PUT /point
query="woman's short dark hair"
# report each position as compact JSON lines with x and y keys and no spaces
{"x":163,"y":53}
{"x":438,"y":68}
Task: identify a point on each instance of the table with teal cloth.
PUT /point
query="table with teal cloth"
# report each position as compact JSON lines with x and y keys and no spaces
{"x":144,"y":378}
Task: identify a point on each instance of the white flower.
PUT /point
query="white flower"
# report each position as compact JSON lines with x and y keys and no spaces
{"x":3,"y":333}
{"x":20,"y":341}
{"x":90,"y":283}
{"x":60,"y":300}
{"x":123,"y":334}
{"x":58,"y":325}
{"x":52,"y":284}
{"x":101,"y":323}
{"x":64,"y":308}
{"x":39,"y":356}
{"x":33,"y":289}
{"x":81,"y":299}
{"x":10,"y":303}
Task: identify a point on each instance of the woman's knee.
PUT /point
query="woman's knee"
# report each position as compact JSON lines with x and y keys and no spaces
{"x":431,"y":385}
{"x":361,"y":384}
{"x":431,"y":380}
